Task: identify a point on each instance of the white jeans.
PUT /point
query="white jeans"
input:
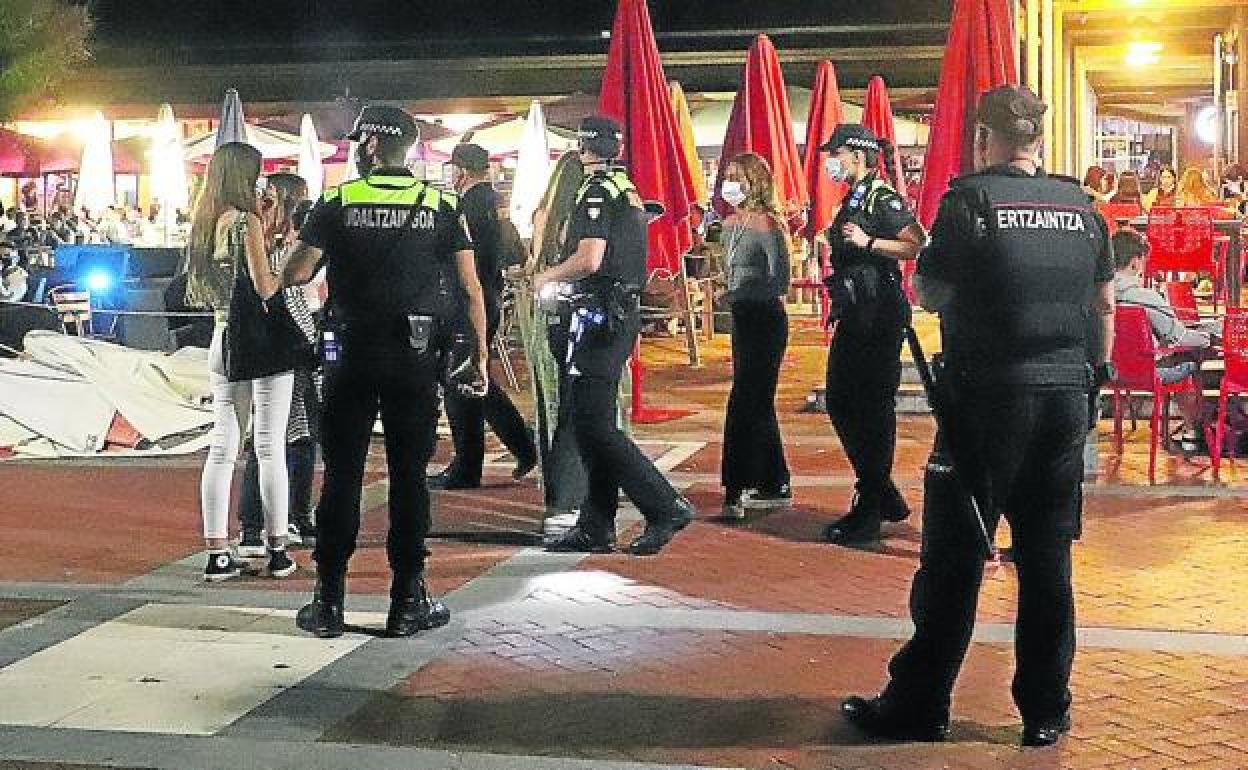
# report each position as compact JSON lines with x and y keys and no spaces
{"x":232,"y":407}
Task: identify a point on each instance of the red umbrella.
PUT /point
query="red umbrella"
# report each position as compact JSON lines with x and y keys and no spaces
{"x":825,"y":115}
{"x":20,"y":155}
{"x":761,"y":123}
{"x":877,"y":115}
{"x":978,"y":58}
{"x":635,"y":93}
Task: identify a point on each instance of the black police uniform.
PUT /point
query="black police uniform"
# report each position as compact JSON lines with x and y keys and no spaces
{"x":1023,"y":255}
{"x":467,"y":415}
{"x":864,"y":360}
{"x":389,"y":241}
{"x":592,"y":379}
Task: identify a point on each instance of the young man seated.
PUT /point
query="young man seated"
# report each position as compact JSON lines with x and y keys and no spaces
{"x":1130,"y":252}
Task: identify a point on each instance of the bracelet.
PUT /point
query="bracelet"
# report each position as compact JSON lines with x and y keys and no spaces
{"x":870,"y":244}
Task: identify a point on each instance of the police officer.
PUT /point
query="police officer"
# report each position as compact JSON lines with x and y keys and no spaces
{"x":605,"y":259}
{"x":390,"y":244}
{"x":1018,"y":261}
{"x":873,"y":232}
{"x":470,"y":165}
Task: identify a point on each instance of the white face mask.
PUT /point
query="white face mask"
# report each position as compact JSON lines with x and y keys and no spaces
{"x":733,"y":193}
{"x":836,"y":169}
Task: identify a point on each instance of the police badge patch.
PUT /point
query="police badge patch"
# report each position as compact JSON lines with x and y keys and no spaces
{"x":895,"y":203}
{"x":594,"y":212}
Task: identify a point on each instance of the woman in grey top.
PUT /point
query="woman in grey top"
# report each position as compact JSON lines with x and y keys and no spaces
{"x":756,"y":253}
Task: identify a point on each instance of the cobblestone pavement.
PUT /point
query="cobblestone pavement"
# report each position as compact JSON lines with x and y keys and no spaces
{"x":732,"y":649}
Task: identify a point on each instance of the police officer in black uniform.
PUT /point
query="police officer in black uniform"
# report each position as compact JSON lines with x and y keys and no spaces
{"x":606,"y":263}
{"x":392,"y":246}
{"x":467,"y":415}
{"x":873,"y":232}
{"x":1017,"y":263}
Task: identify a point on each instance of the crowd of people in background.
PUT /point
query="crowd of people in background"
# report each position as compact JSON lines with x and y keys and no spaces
{"x":1160,"y":184}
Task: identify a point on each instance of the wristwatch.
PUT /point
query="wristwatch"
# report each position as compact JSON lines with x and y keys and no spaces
{"x":1105,"y":372}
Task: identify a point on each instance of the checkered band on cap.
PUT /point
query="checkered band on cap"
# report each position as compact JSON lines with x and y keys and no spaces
{"x":379,"y":128}
{"x":861,"y":143}
{"x":589,"y":133}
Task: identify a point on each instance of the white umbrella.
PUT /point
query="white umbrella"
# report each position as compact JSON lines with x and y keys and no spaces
{"x":96,"y":190}
{"x":504,"y":139}
{"x":233,"y":125}
{"x":272,"y":144}
{"x":310,"y":158}
{"x":533,"y":169}
{"x":168,"y":170}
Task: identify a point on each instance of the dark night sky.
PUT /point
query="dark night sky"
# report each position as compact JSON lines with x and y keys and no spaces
{"x":181,"y":22}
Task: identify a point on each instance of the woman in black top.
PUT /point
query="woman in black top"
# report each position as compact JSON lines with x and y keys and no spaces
{"x":756,"y":256}
{"x":229,"y":271}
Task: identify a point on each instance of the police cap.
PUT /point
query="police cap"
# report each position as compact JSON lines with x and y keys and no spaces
{"x":384,"y":120}
{"x":470,"y":157}
{"x":853,"y":136}
{"x":1013,"y":111}
{"x":601,"y":135}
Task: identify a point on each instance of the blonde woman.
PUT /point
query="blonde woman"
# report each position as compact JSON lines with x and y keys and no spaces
{"x":229,"y":271}
{"x":756,"y":256}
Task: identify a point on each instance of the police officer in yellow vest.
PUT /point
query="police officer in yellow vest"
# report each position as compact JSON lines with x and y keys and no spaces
{"x":393,"y":247}
{"x":605,"y":264}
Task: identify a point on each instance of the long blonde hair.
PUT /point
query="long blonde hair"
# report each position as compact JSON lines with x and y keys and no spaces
{"x":230,"y":183}
{"x":762,"y":186}
{"x":1193,"y":190}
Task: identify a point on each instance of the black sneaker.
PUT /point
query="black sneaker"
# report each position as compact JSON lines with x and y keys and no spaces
{"x":451,"y":480}
{"x":251,"y":546}
{"x":222,"y":566}
{"x":323,"y":616}
{"x":581,"y":540}
{"x":858,"y":527}
{"x":280,"y":563}
{"x":780,"y":497}
{"x":1045,"y":733}
{"x":302,"y":532}
{"x":658,"y":534}
{"x":733,"y":509}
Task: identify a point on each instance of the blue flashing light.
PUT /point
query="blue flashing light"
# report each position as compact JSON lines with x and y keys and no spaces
{"x":99,"y":280}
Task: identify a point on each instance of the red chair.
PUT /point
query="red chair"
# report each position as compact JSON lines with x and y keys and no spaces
{"x":1180,"y":240}
{"x":1183,"y":299}
{"x":1235,"y":378}
{"x":1116,"y":213}
{"x":1135,"y":358}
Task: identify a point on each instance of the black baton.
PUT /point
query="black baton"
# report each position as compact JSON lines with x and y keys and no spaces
{"x":987,"y":548}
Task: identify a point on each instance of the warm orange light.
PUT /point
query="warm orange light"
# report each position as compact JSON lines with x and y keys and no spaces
{"x":1143,"y":53}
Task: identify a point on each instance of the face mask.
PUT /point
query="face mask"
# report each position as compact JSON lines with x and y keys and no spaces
{"x":836,"y":169}
{"x":733,"y":193}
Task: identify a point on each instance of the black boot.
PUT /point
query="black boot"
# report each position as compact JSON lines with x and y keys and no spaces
{"x":451,"y":478}
{"x":873,"y":717}
{"x":323,"y":615}
{"x":412,"y":609}
{"x":893,"y":506}
{"x":861,"y":526}
{"x":582,"y":539}
{"x":659,"y":533}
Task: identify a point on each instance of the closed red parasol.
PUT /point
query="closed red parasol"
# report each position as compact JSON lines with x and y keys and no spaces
{"x":20,"y":155}
{"x":980,"y":56}
{"x":635,"y":93}
{"x":826,"y":114}
{"x":761,"y":123}
{"x":877,"y":115}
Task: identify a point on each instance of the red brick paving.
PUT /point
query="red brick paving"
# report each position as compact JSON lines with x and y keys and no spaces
{"x":770,"y":700}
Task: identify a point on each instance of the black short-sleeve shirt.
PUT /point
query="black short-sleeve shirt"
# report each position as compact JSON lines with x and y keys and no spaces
{"x":389,"y":242}
{"x":879,"y":211}
{"x":605,"y":211}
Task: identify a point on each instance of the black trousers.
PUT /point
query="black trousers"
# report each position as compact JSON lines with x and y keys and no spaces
{"x":753,"y":452}
{"x":400,"y":384}
{"x":863,"y":375}
{"x":300,"y":467}
{"x":468,"y":417}
{"x":589,"y":404}
{"x":1022,"y":450}
{"x":563,"y":476}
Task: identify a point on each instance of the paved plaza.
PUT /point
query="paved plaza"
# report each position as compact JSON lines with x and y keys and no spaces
{"x":732,"y":649}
